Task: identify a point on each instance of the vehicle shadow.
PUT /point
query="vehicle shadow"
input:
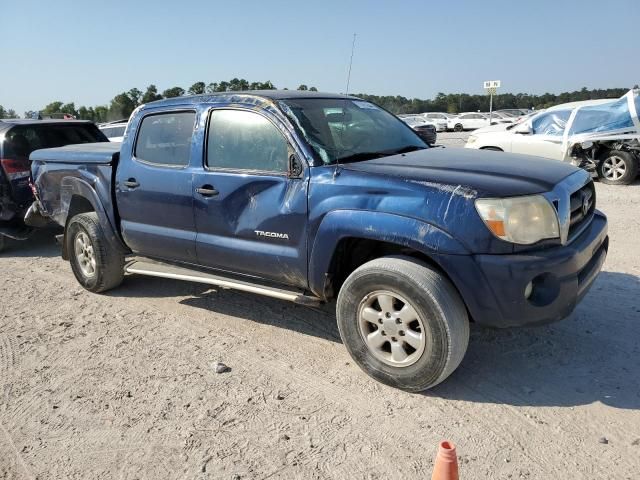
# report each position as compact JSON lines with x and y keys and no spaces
{"x":317,"y":321}
{"x":592,"y":356}
{"x":41,"y":244}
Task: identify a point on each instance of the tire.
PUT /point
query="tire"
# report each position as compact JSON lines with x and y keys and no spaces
{"x":441,"y":318}
{"x":3,"y":243}
{"x":88,"y":250}
{"x":617,"y":167}
{"x":458,"y":128}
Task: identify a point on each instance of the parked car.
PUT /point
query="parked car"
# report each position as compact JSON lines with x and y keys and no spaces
{"x":423,"y":127}
{"x":498,"y":117}
{"x":18,"y":138}
{"x":600,"y":136}
{"x":114,"y":131}
{"x":467,"y":121}
{"x":515,"y":112}
{"x":440,"y":120}
{"x":310,"y":197}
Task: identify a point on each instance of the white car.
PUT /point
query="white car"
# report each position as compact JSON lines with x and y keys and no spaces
{"x":467,"y":121}
{"x":601,"y":136}
{"x":114,"y":131}
{"x":440,"y":119}
{"x":498,"y":117}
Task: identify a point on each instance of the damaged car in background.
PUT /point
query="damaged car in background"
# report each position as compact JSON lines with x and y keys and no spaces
{"x":18,"y":138}
{"x":600,"y":136}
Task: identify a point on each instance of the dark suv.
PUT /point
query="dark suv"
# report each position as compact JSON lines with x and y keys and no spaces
{"x":18,"y":138}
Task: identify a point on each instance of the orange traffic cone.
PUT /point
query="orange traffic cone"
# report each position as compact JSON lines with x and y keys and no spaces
{"x":446,"y":467}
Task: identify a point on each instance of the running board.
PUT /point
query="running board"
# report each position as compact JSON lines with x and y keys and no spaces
{"x":164,"y":270}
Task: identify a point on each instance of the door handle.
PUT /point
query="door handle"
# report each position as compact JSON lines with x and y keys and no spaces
{"x":131,"y":183}
{"x":207,"y":191}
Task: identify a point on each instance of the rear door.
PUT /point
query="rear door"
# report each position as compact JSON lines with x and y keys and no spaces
{"x":251,"y":215}
{"x":154,"y":186}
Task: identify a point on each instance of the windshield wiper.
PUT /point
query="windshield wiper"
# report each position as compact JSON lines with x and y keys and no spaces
{"x":407,"y":149}
{"x":357,"y":157}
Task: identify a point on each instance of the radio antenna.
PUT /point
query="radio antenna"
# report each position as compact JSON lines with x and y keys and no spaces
{"x":353,"y":47}
{"x":336,"y":171}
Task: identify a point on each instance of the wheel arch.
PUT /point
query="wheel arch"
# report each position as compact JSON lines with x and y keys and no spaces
{"x":76,"y":197}
{"x":347,"y":239}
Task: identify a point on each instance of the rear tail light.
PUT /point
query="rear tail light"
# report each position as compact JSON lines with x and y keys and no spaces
{"x":15,"y":169}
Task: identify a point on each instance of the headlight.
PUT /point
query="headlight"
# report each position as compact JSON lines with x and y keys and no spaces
{"x":523,"y":220}
{"x":472,"y":139}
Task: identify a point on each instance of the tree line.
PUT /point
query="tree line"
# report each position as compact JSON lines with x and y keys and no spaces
{"x":123,"y":104}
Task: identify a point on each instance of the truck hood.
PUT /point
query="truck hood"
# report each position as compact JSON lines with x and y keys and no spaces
{"x":488,"y":173}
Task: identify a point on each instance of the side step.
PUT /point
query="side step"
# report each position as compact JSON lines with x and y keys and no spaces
{"x":164,"y":270}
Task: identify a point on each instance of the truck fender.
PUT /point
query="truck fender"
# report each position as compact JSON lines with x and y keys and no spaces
{"x":73,"y":186}
{"x":386,"y":227}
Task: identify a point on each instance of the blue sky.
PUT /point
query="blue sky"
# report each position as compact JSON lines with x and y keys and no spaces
{"x":88,"y":51}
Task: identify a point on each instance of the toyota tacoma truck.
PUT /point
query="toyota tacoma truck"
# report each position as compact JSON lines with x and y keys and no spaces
{"x":311,"y":197}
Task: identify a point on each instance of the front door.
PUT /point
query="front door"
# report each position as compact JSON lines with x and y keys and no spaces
{"x":250,"y":214}
{"x":154,"y":188}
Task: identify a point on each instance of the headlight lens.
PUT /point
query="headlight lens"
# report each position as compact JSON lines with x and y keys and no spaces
{"x":523,"y":220}
{"x":472,"y":139}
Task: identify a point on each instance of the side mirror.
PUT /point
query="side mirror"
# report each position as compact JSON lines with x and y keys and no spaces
{"x":295,"y":166}
{"x":524,"y":129}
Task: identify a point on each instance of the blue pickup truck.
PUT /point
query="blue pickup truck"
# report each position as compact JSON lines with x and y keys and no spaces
{"x":311,"y":197}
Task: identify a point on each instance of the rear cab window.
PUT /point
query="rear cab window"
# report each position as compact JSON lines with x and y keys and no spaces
{"x":164,"y":139}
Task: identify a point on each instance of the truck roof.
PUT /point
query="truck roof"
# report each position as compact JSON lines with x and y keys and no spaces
{"x":264,"y":94}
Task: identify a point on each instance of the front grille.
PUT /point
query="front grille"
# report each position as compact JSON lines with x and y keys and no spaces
{"x":582,"y":204}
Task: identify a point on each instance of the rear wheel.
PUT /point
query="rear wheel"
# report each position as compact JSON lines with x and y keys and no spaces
{"x":617,"y":167}
{"x":96,"y":265}
{"x":458,"y":128}
{"x":403,"y":323}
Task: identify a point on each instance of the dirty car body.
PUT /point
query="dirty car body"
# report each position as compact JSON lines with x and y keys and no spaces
{"x":326,"y":201}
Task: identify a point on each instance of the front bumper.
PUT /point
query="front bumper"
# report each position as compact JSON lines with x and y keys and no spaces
{"x":493,"y":286}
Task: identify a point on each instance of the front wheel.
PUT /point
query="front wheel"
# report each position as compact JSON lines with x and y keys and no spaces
{"x":458,"y":128}
{"x":618,"y":167}
{"x":403,"y":323}
{"x":96,"y":265}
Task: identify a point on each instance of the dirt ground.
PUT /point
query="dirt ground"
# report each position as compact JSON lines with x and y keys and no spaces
{"x":122,"y":385}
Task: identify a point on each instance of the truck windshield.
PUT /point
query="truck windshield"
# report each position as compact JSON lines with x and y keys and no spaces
{"x":341,"y":130}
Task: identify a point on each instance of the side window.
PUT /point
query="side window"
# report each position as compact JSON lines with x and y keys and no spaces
{"x":242,"y":140}
{"x":165,"y":138}
{"x":551,"y":123}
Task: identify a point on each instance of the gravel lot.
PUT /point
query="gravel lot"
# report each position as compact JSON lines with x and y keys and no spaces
{"x":122,"y":385}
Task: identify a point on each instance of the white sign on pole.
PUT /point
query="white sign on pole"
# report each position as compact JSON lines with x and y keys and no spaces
{"x":492,"y":84}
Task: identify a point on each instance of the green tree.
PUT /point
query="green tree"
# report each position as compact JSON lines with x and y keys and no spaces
{"x":197,"y":88}
{"x":151,"y":94}
{"x":101,"y":114}
{"x":313,"y":89}
{"x":303,"y":87}
{"x":135,"y":95}
{"x":69,"y":108}
{"x":121,"y":107}
{"x":53,"y":107}
{"x":173,"y":92}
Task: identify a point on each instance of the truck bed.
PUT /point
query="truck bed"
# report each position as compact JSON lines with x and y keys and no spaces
{"x":103,"y":153}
